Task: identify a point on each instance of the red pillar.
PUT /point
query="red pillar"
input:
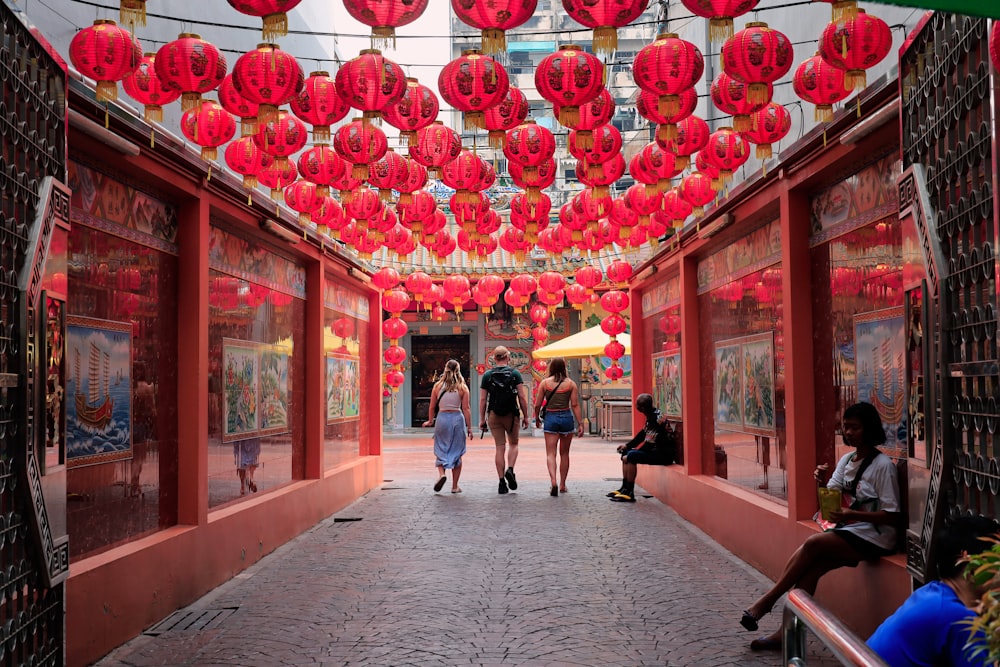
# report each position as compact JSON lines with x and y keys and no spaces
{"x":698,"y":458}
{"x":800,"y":395}
{"x":192,"y":362}
{"x":372,"y":362}
{"x":315,"y":369}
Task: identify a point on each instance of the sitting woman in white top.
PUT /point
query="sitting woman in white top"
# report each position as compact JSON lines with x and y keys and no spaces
{"x":864,"y":531}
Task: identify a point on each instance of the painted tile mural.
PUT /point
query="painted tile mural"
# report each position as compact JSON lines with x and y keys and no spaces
{"x":879,"y":349}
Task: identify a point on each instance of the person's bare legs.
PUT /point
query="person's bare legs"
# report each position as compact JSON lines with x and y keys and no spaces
{"x":564,"y":443}
{"x":816,"y":556}
{"x":456,"y":472}
{"x":551,"y":442}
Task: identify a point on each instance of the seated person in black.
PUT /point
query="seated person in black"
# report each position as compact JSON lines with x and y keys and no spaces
{"x":654,"y":444}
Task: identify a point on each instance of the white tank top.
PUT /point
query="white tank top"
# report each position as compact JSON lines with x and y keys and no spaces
{"x":449,"y":401}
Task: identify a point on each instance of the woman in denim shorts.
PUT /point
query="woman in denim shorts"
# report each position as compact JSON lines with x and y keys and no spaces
{"x":560,"y":399}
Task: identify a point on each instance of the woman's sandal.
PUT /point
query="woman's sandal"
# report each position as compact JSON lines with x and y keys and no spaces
{"x":438,"y":485}
{"x":749,"y":621}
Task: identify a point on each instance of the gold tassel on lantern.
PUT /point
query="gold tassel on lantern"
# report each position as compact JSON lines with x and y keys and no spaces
{"x":497,"y":138}
{"x":360,"y":171}
{"x":669,"y":105}
{"x":763,"y":151}
{"x":605,"y":39}
{"x":844,"y":9}
{"x":494,"y":41}
{"x":584,"y":139}
{"x":385,"y":194}
{"x":250,"y":181}
{"x":742,"y":123}
{"x":665,"y":133}
{"x":383,"y":37}
{"x":474,"y":120}
{"x":823,"y":113}
{"x":569,"y":116}
{"x":856,"y":79}
{"x":275,"y":25}
{"x":720,"y":29}
{"x":371,"y":117}
{"x":209,"y":153}
{"x":132,"y":12}
{"x":409,"y":137}
{"x":152,"y":113}
{"x":757,"y":94}
{"x":107,"y":91}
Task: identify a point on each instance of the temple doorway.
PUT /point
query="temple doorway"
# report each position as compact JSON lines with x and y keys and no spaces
{"x":430,"y":354}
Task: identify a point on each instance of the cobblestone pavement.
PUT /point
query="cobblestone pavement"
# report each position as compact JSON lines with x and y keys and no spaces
{"x":405,"y":576}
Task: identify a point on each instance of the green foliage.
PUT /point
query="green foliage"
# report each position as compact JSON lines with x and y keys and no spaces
{"x":982,"y":569}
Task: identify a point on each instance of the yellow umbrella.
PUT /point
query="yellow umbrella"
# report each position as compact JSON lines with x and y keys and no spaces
{"x":588,"y":343}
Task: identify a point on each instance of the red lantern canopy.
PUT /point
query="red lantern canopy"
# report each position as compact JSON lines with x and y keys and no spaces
{"x":493,"y":17}
{"x":144,"y":86}
{"x":529,"y":145}
{"x":239,"y":106}
{"x":692,"y":136}
{"x":191,"y":65}
{"x":696,"y":189}
{"x":384,"y":16}
{"x":386,"y":278}
{"x":465,"y":174}
{"x":319,"y":105}
{"x":720,"y":14}
{"x":822,"y":84}
{"x":268,"y":76}
{"x":386,"y":173}
{"x":417,"y":108}
{"x":472,"y":83}
{"x":758,"y":56}
{"x":370,"y":83}
{"x":667,"y":68}
{"x":360,"y":144}
{"x":508,"y":114}
{"x":732,"y":97}
{"x":569,"y":78}
{"x":770,"y":124}
{"x":243,"y":156}
{"x":854,"y":44}
{"x":619,"y":271}
{"x":647,"y":104}
{"x":605,"y":17}
{"x":275,"y":175}
{"x":590,"y":116}
{"x":728,"y":150}
{"x":437,"y":145}
{"x":272,"y":13}
{"x":321,"y":165}
{"x":106,"y":53}
{"x":302,"y":196}
{"x":209,"y":126}
{"x":281,"y":136}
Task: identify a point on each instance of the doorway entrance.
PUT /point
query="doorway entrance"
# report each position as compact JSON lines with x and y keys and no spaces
{"x":430,"y":354}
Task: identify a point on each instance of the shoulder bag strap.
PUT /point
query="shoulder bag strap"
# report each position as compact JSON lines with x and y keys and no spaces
{"x":552,"y":392}
{"x":853,"y":487}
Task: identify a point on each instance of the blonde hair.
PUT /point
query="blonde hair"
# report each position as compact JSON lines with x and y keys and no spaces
{"x":452,"y":378}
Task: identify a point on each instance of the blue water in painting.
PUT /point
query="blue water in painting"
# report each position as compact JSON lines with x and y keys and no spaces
{"x":82,"y":441}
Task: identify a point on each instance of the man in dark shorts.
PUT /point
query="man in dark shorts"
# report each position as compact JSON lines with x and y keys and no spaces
{"x":654,"y":444}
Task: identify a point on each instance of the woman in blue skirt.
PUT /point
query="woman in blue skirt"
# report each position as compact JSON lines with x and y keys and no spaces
{"x":449,"y":415}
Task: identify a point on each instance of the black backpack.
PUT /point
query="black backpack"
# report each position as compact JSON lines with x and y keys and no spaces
{"x":502,"y":389}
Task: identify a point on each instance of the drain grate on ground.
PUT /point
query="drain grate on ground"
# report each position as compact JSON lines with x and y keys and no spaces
{"x":196,"y":620}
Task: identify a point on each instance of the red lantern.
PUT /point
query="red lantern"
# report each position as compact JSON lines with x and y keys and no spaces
{"x":144,"y":86}
{"x":370,"y":83}
{"x":728,"y":150}
{"x":615,"y":301}
{"x":590,"y":116}
{"x":472,"y":83}
{"x":483,"y":299}
{"x":758,"y":56}
{"x":276,"y":175}
{"x":577,"y":295}
{"x":623,"y":217}
{"x":605,"y":143}
{"x":513,"y":241}
{"x":539,"y":335}
{"x":533,"y":181}
{"x":619,"y":271}
{"x":770,"y":124}
{"x":301,"y":196}
{"x":569,"y":78}
{"x":395,"y":301}
{"x":191,"y":65}
{"x":411,"y":180}
{"x":239,"y":106}
{"x":272,"y":12}
{"x":465,"y":174}
{"x":416,"y":109}
{"x":394,"y":355}
{"x":209,"y":126}
{"x":995,"y":45}
{"x":493,"y":17}
{"x":360,"y":144}
{"x":343,"y":327}
{"x":667,"y":68}
{"x":319,"y":105}
{"x":647,"y":104}
{"x":539,"y":314}
{"x":614,"y":350}
{"x":107,"y":54}
{"x":614,"y":372}
{"x":491,"y":284}
{"x":437,"y":145}
{"x":644,"y":201}
{"x":347,"y":185}
{"x":455,"y":289}
{"x":854,"y":44}
{"x":364,"y":205}
{"x":720,"y":14}
{"x":705,"y":167}
{"x":692,"y":136}
{"x":515,"y":300}
{"x":696,"y":189}
{"x":601,"y":178}
{"x":281,"y":136}
{"x":822,"y":84}
{"x":529,"y":145}
{"x":508,"y":114}
{"x":524,"y":284}
{"x":268,"y":76}
{"x":386,"y":278}
{"x":413,"y":213}
{"x":589,"y":206}
{"x":614,"y":324}
{"x":386,"y":173}
{"x":676,"y":208}
{"x":395,"y":379}
{"x":329,"y":214}
{"x":590,"y":277}
{"x":439,"y":313}
{"x":605,"y":16}
{"x":394,"y":328}
{"x":321,"y":165}
{"x":732,"y":97}
{"x":419,"y":284}
{"x":659,"y":163}
{"x":243,"y":156}
{"x":384,"y":16}
{"x":551,"y":281}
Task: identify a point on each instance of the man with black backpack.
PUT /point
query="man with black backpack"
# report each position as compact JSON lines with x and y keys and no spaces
{"x":502,"y":393}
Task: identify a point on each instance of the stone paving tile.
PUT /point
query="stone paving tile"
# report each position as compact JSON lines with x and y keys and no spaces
{"x":479,"y":579}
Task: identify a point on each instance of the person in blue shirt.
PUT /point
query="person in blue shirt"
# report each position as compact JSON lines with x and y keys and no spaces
{"x":931,"y":627}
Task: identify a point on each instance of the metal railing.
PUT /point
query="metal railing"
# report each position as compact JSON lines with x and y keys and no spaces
{"x":803,"y":613}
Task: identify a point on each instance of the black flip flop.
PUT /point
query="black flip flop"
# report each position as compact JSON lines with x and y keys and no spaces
{"x":748,"y":621}
{"x":440,"y":484}
{"x":765,"y":644}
